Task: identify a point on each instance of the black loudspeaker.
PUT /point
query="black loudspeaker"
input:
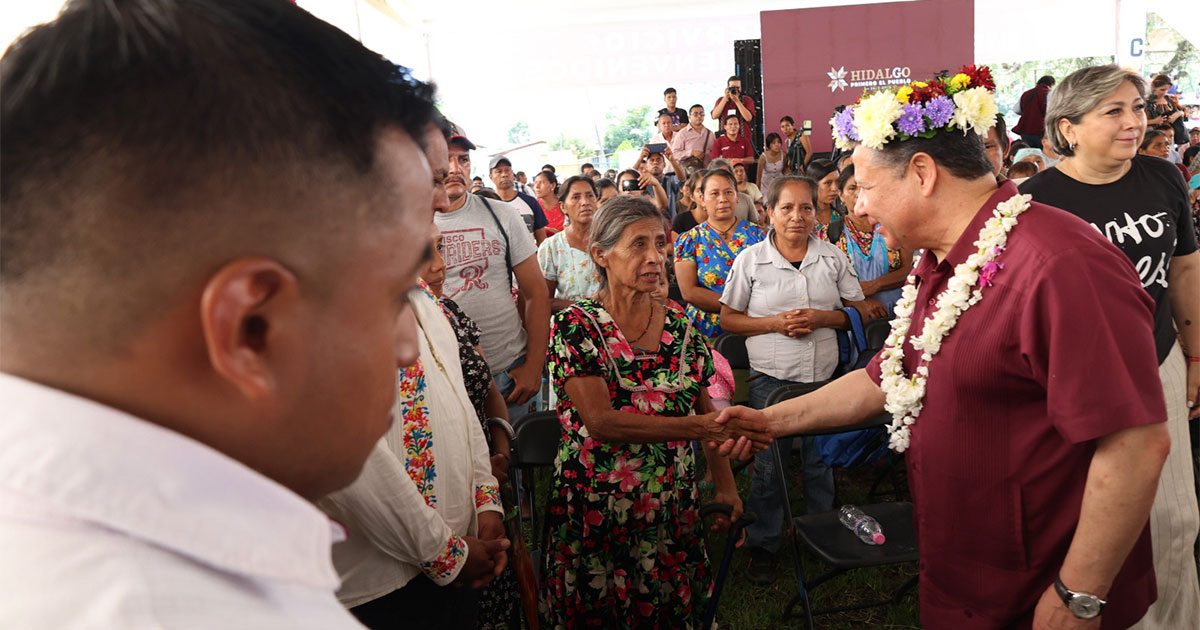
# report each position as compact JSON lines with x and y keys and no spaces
{"x":747,"y":64}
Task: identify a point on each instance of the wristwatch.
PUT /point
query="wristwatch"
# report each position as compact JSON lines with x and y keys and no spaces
{"x":1082,"y":605}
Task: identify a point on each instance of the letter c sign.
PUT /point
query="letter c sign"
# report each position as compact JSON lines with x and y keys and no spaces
{"x":1136,"y":47}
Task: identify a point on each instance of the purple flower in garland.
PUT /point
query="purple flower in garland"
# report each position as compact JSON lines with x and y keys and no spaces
{"x":843,"y":124}
{"x":912,"y":121}
{"x":939,"y":110}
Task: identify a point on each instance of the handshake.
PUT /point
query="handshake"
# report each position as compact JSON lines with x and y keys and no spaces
{"x":738,"y":432}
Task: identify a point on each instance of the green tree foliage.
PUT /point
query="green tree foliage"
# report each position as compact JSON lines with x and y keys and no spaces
{"x":633,"y":127}
{"x":518,"y":133}
{"x":576,"y":145}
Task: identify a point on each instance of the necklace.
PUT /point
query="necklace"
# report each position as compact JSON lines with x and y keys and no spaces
{"x":726,"y":233}
{"x":645,"y":329}
{"x":905,"y":395}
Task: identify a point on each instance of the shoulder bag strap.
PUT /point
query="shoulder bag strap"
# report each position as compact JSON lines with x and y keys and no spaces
{"x":507,"y":255}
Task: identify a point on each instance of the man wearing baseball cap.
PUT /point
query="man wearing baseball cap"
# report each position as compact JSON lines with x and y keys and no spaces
{"x":487,"y":244}
{"x":501,"y":173}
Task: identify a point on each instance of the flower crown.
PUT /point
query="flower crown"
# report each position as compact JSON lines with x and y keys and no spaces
{"x":920,"y":109}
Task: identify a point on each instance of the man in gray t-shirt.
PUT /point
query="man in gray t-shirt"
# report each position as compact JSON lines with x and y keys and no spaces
{"x":478,"y":278}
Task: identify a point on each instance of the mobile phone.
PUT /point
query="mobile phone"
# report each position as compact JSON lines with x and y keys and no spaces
{"x":657,"y":147}
{"x":629,"y":184}
{"x":808,"y":127}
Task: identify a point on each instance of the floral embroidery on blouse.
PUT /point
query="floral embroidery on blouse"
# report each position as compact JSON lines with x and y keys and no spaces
{"x":418,"y":436}
{"x":486,"y":495}
{"x":442,"y":568}
{"x":713,"y":257}
{"x":863,"y":242}
{"x":821,"y":230}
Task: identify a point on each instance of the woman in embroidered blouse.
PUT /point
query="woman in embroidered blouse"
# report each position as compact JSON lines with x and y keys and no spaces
{"x":704,"y":254}
{"x":825,"y":173}
{"x":625,"y":549}
{"x":566,"y":265}
{"x":881,"y":269}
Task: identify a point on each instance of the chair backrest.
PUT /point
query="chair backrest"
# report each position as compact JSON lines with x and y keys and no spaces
{"x":733,"y":348}
{"x":877,"y":331}
{"x":794,"y":390}
{"x":537,"y":439}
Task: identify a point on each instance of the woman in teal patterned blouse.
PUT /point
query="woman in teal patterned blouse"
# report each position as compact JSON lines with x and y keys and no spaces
{"x":705,"y":253}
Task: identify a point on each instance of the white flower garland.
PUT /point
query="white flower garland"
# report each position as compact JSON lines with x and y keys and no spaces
{"x":906,"y":395}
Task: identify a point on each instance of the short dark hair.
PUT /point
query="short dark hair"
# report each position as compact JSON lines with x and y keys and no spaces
{"x":668,"y":91}
{"x":587,"y":165}
{"x":1046,"y":80}
{"x":549,"y":175}
{"x":1150,"y":136}
{"x":776,"y":188}
{"x":477,"y":179}
{"x":565,"y":189}
{"x":183,"y":111}
{"x":961,"y":154}
{"x":787,"y":119}
{"x":771,"y":137}
{"x":1022,"y":169}
{"x":488,"y":193}
{"x":520,"y":174}
{"x":1160,"y":81}
{"x":661,"y":113}
{"x":732,"y":79}
{"x":695,"y":106}
{"x":548,"y":167}
{"x":820,"y":169}
{"x":739,"y":118}
{"x":628,"y":171}
{"x":717,"y":172}
{"x":603,"y":183}
{"x":844,"y":176}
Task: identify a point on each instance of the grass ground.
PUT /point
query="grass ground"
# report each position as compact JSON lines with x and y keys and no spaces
{"x":745,"y":606}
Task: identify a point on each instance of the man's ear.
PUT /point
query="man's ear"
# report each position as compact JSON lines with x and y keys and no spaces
{"x":245,"y":310}
{"x":923,"y":166}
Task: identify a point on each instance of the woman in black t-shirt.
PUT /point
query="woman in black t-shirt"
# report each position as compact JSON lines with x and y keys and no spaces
{"x":1095,"y":120}
{"x":691,"y":214}
{"x":1163,"y":112}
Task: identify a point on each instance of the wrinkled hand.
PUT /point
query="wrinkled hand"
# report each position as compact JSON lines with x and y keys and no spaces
{"x":1052,"y":614}
{"x":527,"y":380}
{"x":722,"y":523}
{"x":1193,"y":389}
{"x":480,"y":567}
{"x":740,"y":432}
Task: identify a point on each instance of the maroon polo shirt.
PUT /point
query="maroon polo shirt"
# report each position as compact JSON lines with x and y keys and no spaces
{"x":1057,"y":353}
{"x":723,"y":147}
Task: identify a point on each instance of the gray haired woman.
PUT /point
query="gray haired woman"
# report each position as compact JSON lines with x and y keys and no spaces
{"x":1095,"y":120}
{"x":625,"y":549}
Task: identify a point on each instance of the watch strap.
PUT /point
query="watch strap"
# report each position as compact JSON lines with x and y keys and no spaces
{"x":1067,"y":595}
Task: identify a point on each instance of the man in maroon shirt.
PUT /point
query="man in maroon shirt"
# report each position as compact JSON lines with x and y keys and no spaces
{"x":1032,"y":107}
{"x":1036,"y":456}
{"x":733,"y":146}
{"x":734,"y":103}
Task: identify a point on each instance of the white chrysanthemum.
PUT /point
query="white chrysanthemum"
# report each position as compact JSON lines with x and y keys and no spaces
{"x":975,"y":110}
{"x":875,"y":117}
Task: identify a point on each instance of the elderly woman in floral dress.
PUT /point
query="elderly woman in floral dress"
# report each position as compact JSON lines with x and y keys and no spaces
{"x":625,"y":548}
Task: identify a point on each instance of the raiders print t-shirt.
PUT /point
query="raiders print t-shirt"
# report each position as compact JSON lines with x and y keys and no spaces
{"x":1145,"y":214}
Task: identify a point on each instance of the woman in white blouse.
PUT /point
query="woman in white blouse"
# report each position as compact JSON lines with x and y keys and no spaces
{"x":563,"y":258}
{"x":784,"y":295}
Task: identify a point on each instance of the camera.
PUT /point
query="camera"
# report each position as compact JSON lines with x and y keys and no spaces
{"x":630,"y":184}
{"x":735,"y":89}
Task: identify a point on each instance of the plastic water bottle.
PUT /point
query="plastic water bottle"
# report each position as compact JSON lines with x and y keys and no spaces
{"x":866,"y":528}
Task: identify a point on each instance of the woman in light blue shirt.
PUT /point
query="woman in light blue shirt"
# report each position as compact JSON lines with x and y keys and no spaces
{"x":784,"y":295}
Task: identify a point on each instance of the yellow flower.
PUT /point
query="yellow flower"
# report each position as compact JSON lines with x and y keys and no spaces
{"x":920,"y":84}
{"x":903,"y":93}
{"x":960,"y":81}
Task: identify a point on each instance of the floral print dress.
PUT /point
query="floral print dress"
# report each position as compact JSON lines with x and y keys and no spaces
{"x":625,"y":547}
{"x":713,"y":257}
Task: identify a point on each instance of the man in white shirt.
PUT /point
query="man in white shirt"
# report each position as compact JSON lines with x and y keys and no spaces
{"x":486,"y":246}
{"x":208,"y":216}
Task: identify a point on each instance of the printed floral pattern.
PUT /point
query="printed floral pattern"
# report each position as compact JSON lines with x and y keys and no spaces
{"x":713,"y":257}
{"x":418,"y":437}
{"x":577,"y":276}
{"x":624,"y":548}
{"x":487,"y":495}
{"x":862,"y":246}
{"x":444,"y":567}
{"x":821,"y":230}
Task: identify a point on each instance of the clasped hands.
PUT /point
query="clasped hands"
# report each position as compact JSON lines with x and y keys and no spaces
{"x":738,"y":432}
{"x":797,"y":322}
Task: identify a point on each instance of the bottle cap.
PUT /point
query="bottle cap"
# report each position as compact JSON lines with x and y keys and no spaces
{"x":878,"y":538}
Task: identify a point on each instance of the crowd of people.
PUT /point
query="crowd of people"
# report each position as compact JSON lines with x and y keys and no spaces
{"x":265,"y":339}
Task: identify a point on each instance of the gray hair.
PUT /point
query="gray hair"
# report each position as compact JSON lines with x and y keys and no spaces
{"x":610,"y":221}
{"x":1079,"y":94}
{"x":720,"y":163}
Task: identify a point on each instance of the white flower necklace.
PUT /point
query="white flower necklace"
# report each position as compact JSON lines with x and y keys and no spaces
{"x":906,"y":395}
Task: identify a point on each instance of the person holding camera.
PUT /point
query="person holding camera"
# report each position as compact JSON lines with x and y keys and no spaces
{"x":798,"y":148}
{"x":734,"y":103}
{"x":642,"y":183}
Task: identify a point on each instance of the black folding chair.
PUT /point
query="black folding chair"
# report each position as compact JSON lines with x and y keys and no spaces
{"x":829,"y":540}
{"x":534,"y":447}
